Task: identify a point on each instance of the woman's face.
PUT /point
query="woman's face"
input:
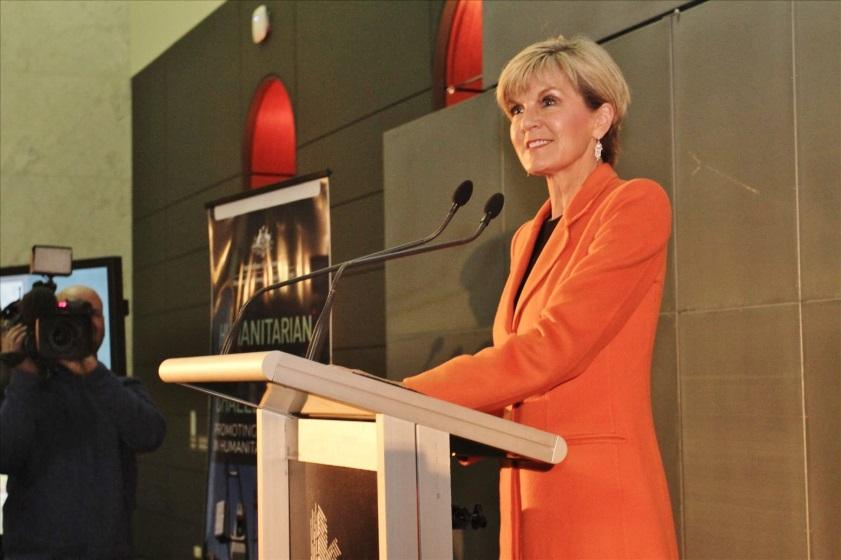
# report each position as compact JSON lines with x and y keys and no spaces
{"x":552,"y":129}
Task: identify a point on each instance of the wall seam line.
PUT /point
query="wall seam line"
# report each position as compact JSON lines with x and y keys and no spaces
{"x":357,"y":198}
{"x":363,"y":118}
{"x":679,"y":386}
{"x":798,"y":254}
{"x":699,"y":310}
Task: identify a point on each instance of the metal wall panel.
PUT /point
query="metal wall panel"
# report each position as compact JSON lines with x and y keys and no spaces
{"x":204,"y":127}
{"x":149,"y":236}
{"x":358,"y":320}
{"x":822,"y":362}
{"x":343,"y":46}
{"x":817,"y":50}
{"x":424,"y":162}
{"x":355,"y":175}
{"x":186,"y":220}
{"x":370,"y":359}
{"x":357,"y":228}
{"x":509,"y":25}
{"x":188,"y":281}
{"x":415,"y":353}
{"x":744,"y":482}
{"x":148,"y":128}
{"x":735,"y":196}
{"x":148,"y":297}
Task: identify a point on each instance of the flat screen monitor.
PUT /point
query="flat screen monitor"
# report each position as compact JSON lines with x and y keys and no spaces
{"x":105,"y":276}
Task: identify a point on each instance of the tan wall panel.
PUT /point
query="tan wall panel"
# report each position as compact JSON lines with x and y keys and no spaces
{"x":510,"y":25}
{"x":357,"y":316}
{"x":818,"y":79}
{"x":348,"y":77}
{"x":425,"y":161}
{"x":744,"y":482}
{"x":357,"y":227}
{"x":355,"y":176}
{"x":822,"y":364}
{"x":734,"y":197}
{"x":416,"y":353}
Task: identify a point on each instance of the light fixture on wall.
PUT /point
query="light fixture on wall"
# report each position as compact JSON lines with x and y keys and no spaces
{"x":260,"y":24}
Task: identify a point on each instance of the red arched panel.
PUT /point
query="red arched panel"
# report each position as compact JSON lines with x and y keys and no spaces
{"x":464,"y":52}
{"x":271,"y":141}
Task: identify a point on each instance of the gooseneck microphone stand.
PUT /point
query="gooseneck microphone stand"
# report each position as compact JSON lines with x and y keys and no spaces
{"x":460,"y":197}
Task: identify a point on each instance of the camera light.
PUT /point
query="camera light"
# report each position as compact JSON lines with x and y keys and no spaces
{"x":51,"y":260}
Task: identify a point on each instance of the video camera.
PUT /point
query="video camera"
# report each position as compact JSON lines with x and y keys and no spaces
{"x":55,"y":330}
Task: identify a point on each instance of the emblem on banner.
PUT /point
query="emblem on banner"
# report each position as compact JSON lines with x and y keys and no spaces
{"x":319,"y":549}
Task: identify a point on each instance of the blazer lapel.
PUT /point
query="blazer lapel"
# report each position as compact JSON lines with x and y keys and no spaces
{"x":598,"y":180}
{"x":519,"y":263}
{"x":547,"y":258}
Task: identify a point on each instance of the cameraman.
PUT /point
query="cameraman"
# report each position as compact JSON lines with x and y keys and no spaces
{"x":68,"y":437}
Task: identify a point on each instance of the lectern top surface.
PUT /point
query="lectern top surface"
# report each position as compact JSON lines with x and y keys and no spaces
{"x":294,"y":380}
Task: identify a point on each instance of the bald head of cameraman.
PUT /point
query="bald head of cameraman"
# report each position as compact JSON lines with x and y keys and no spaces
{"x":68,"y":442}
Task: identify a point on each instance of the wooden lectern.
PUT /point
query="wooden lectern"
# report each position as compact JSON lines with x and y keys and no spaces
{"x":330,"y":415}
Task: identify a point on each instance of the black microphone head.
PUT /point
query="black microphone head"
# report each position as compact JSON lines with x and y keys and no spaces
{"x":494,"y":206}
{"x":463,"y":193}
{"x":39,"y":302}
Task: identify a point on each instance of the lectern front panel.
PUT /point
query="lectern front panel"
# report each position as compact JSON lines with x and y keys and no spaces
{"x":333,"y":512}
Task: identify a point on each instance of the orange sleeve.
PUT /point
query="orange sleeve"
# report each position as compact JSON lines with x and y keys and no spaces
{"x":582,"y":314}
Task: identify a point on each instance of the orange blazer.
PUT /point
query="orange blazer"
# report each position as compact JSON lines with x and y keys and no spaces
{"x":573,"y":357}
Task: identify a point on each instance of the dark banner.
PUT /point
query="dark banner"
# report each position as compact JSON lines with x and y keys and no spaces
{"x":268,"y":236}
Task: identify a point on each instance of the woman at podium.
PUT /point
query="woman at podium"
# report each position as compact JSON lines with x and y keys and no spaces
{"x":574,"y":330}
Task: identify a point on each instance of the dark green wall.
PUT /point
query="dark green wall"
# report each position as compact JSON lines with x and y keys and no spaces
{"x":353,"y":70}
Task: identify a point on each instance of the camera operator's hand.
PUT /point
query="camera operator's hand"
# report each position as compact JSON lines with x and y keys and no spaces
{"x":12,"y":342}
{"x":80,"y":367}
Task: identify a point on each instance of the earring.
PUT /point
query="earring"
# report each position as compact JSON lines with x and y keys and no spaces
{"x":598,"y":150}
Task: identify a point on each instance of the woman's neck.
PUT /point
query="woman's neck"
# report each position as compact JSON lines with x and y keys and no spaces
{"x":565,"y":185}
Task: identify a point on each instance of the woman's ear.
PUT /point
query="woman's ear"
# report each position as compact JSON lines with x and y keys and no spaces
{"x":603,"y":120}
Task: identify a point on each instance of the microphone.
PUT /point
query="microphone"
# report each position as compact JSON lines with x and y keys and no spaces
{"x":460,"y":197}
{"x":493,"y":207}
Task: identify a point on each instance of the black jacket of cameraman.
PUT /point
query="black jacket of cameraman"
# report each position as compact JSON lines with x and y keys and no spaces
{"x":68,"y":444}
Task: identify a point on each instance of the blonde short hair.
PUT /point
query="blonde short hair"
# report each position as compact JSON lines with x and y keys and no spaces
{"x":588,"y":66}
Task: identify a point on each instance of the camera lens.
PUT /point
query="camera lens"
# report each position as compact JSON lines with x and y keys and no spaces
{"x":62,"y":336}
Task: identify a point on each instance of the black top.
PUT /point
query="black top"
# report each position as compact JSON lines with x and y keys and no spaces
{"x":545,"y":232}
